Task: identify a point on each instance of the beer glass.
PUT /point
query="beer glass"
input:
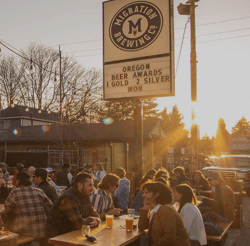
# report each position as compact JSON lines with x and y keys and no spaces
{"x":109,"y":221}
{"x":131,"y":212}
{"x":129,"y":223}
{"x":85,"y":230}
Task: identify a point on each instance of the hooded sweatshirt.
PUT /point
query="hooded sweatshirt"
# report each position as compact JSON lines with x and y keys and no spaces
{"x":123,"y":193}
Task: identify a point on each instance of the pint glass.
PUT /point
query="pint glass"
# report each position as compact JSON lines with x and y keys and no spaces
{"x":109,"y":220}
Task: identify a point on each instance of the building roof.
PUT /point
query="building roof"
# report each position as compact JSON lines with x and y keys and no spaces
{"x":19,"y":112}
{"x":118,"y":131}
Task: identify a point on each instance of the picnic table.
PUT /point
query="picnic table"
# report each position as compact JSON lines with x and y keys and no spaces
{"x":117,"y":236}
{"x":9,"y":239}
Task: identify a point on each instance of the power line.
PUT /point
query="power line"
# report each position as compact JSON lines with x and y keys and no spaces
{"x":219,"y":39}
{"x":77,"y":51}
{"x":181,"y":45}
{"x":209,"y":34}
{"x":216,"y":22}
{"x":87,"y":41}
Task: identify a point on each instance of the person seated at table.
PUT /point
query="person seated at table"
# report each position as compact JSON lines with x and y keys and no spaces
{"x":28,"y":207}
{"x":162,"y":172}
{"x":3,"y":188}
{"x":123,"y":191}
{"x":199,"y":181}
{"x":3,"y":166}
{"x":101,"y":198}
{"x":190,"y":214}
{"x":99,"y":173}
{"x":138,"y":200}
{"x":73,"y":208}
{"x":164,"y":224}
{"x":40,"y":179}
{"x":223,"y":204}
{"x":64,"y":177}
{"x":179,"y":174}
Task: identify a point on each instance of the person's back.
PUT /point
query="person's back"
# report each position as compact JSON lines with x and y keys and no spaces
{"x":193,"y":222}
{"x":29,"y":207}
{"x":225,"y":201}
{"x":62,"y":177}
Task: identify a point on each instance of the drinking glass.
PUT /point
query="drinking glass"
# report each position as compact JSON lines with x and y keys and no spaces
{"x":131,"y":212}
{"x":85,"y":230}
{"x":109,"y":221}
{"x":129,"y":223}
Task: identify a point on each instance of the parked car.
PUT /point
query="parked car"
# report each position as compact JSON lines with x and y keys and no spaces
{"x":232,"y":168}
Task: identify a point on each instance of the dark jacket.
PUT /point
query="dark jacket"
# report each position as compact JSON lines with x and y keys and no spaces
{"x":184,"y":179}
{"x":223,"y":202}
{"x":62,"y":178}
{"x":137,"y":202}
{"x":202,"y":185}
{"x":60,"y":222}
{"x":49,"y":190}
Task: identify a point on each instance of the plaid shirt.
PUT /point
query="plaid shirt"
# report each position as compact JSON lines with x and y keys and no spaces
{"x":29,"y":207}
{"x":102,"y":201}
{"x":76,"y":214}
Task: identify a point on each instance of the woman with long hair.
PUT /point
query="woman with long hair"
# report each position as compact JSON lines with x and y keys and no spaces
{"x":191,"y":216}
{"x":164,"y":224}
{"x":101,"y":198}
{"x":138,"y":200}
{"x":199,"y":181}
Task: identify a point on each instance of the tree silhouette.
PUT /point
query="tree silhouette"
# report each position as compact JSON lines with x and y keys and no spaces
{"x":220,"y":143}
{"x":240,"y":129}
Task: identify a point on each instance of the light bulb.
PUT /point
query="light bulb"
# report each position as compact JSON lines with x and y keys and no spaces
{"x":27,"y":109}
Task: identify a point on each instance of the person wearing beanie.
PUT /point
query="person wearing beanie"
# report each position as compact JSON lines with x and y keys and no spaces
{"x":40,"y":179}
{"x":28,"y":207}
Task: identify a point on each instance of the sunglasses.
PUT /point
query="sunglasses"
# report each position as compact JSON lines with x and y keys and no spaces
{"x":209,"y":179}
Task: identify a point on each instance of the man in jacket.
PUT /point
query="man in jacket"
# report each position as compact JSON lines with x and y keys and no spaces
{"x":40,"y":179}
{"x":73,"y":208}
{"x":223,"y":203}
{"x":123,"y":191}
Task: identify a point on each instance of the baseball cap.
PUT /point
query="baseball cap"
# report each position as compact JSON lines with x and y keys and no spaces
{"x":39,"y":172}
{"x":49,"y":170}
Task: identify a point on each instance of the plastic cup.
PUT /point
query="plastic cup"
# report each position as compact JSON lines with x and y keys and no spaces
{"x":109,"y":221}
{"x":129,"y":223}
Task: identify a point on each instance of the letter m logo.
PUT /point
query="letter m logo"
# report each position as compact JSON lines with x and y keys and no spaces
{"x":134,"y":27}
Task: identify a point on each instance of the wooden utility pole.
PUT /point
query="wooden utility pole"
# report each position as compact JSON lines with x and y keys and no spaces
{"x":194,"y":135}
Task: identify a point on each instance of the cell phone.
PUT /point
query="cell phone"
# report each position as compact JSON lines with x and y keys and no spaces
{"x":90,"y":238}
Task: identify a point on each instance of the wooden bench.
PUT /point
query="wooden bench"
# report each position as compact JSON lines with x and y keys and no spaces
{"x":24,"y":239}
{"x":216,"y":240}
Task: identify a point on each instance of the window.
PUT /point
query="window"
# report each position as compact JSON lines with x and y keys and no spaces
{"x":101,"y":155}
{"x":6,"y":124}
{"x":86,"y":157}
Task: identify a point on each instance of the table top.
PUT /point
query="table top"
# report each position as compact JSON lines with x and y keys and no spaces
{"x":117,"y":236}
{"x":9,"y":236}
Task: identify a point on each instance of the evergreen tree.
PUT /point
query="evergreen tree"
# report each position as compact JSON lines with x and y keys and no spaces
{"x":220,"y":143}
{"x":240,"y":129}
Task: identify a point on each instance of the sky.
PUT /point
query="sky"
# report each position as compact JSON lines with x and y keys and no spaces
{"x":222,"y":46}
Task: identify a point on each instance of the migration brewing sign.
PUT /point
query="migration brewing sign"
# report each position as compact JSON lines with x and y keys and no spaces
{"x":138,"y":49}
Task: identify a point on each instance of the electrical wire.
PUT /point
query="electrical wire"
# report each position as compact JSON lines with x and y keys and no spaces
{"x":181,"y":45}
{"x":216,"y":22}
{"x":215,"y":33}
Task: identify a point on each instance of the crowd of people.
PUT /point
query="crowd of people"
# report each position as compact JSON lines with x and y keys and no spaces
{"x":44,"y":203}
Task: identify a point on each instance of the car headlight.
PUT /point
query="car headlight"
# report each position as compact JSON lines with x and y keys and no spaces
{"x":241,"y":176}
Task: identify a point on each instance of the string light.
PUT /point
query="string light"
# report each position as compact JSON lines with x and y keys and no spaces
{"x":31,"y":68}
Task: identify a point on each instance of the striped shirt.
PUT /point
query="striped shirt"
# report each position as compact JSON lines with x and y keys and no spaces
{"x":101,"y":200}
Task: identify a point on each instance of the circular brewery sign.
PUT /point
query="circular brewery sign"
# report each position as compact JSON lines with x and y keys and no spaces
{"x":136,"y":26}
